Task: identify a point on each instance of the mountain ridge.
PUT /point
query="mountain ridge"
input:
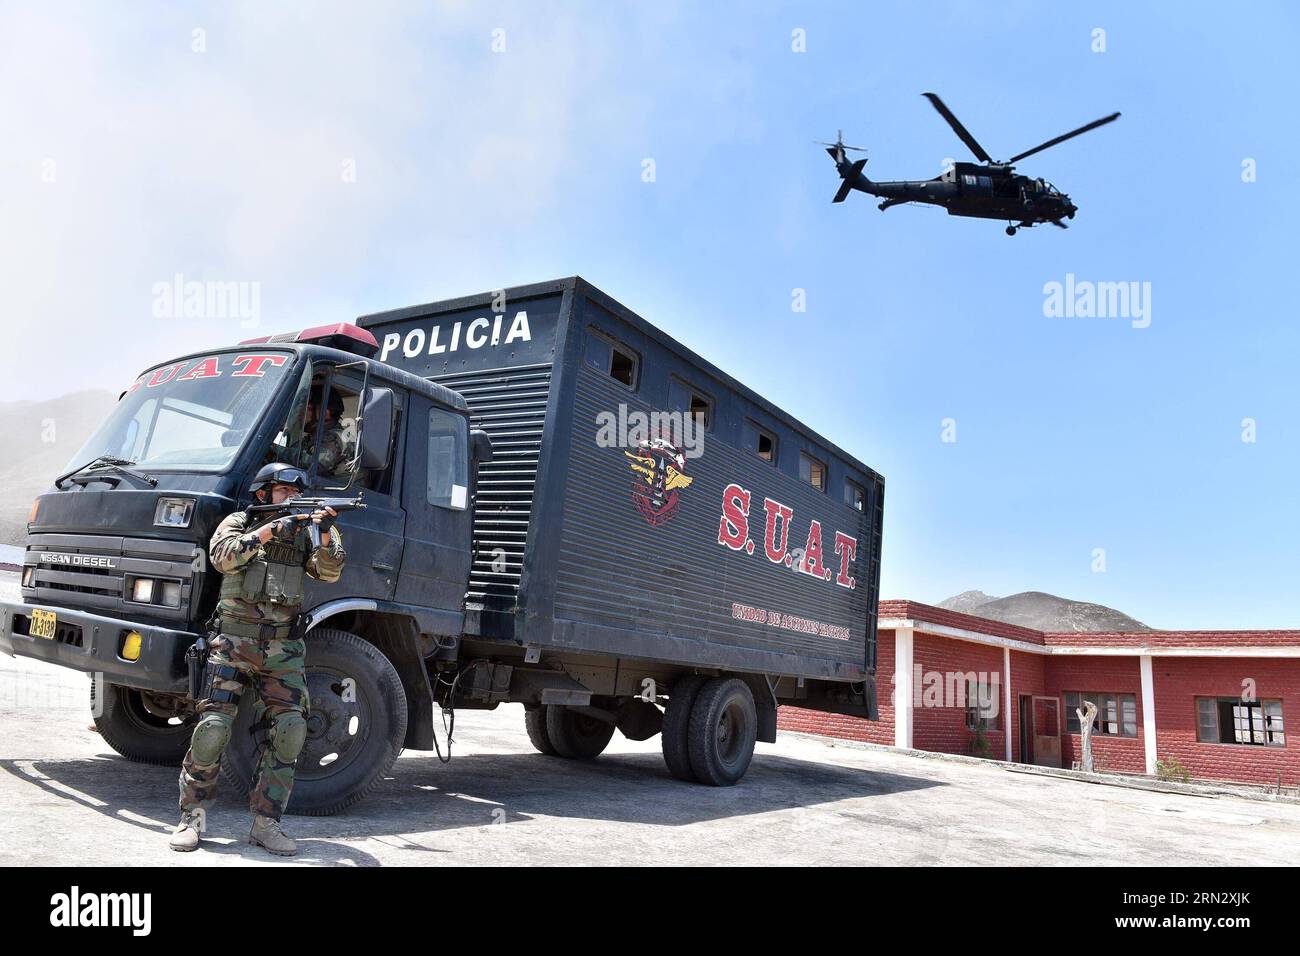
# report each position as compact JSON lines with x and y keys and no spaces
{"x":1043,"y":612}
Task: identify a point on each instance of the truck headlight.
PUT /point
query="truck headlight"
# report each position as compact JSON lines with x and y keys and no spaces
{"x":174,"y":512}
{"x":169,"y":593}
{"x":29,"y":572}
{"x":142,"y":590}
{"x":159,"y":592}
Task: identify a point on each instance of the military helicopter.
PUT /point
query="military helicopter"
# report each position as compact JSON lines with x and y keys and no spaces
{"x":990,"y":191}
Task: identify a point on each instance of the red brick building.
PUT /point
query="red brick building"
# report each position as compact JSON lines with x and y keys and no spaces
{"x":1216,"y":702}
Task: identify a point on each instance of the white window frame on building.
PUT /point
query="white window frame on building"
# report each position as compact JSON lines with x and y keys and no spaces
{"x":1260,"y":721}
{"x":1113,"y":718}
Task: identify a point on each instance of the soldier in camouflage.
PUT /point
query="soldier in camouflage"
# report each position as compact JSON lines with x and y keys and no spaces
{"x":263,"y":567}
{"x":336,"y":448}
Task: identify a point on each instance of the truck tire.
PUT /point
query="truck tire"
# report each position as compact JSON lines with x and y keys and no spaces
{"x":577,"y":736}
{"x":723,"y":729}
{"x":351,"y":743}
{"x":535,"y":723}
{"x":127,"y":725}
{"x":677,"y":722}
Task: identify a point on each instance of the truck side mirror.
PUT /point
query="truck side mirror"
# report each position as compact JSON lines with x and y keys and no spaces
{"x":376,"y":429}
{"x":481,"y":445}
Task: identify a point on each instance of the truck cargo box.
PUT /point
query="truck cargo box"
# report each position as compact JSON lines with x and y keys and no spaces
{"x":606,"y":523}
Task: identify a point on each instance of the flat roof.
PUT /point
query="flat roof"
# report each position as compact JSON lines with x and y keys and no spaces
{"x":579,"y":286}
{"x":936,"y":620}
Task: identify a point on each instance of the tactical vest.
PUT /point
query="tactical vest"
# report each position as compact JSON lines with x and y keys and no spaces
{"x":275,"y":574}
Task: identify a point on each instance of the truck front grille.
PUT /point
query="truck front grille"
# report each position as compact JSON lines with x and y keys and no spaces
{"x":104,"y":589}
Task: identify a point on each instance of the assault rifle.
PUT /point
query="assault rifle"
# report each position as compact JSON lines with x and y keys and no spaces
{"x":306,"y":505}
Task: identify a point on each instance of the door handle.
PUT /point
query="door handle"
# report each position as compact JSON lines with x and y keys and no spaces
{"x":381,"y":566}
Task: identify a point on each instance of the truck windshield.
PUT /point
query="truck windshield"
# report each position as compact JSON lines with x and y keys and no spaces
{"x":193,"y":414}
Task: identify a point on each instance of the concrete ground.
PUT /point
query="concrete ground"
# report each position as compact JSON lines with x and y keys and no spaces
{"x":69,"y":799}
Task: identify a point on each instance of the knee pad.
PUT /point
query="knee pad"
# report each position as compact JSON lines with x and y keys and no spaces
{"x":288,"y":733}
{"x":211,"y":735}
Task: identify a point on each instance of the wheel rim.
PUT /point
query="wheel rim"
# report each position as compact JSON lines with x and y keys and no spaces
{"x":338,"y":724}
{"x":732,"y":732}
{"x":139,"y":716}
{"x":588,"y":728}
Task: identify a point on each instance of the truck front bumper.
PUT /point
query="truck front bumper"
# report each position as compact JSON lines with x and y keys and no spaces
{"x":92,"y":643}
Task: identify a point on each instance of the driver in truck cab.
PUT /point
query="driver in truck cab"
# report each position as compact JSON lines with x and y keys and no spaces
{"x":257,"y":648}
{"x":337,"y":444}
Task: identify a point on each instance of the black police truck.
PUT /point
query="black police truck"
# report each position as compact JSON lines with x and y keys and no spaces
{"x":564,"y":508}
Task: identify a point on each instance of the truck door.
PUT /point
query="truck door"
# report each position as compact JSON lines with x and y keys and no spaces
{"x":435,"y":494}
{"x":373,"y":538}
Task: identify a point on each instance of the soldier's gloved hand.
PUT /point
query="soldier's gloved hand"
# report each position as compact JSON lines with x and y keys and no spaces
{"x":272,"y":529}
{"x":325,"y":518}
{"x":283,"y":527}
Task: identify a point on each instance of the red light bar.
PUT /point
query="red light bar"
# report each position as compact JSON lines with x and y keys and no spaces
{"x":340,"y":335}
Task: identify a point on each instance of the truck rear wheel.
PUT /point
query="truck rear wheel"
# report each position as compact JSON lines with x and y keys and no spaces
{"x":677,"y":722}
{"x":575,"y":735}
{"x":355,"y":727}
{"x":723,"y":730}
{"x":139,"y":730}
{"x":535,"y":724}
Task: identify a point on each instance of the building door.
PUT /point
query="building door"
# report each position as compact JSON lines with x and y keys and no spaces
{"x":1026,"y":728}
{"x":1047,"y":731}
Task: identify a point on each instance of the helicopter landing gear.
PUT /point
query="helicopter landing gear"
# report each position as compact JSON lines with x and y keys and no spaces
{"x":1011,"y":230}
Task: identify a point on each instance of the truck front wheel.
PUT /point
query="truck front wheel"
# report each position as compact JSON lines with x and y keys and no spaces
{"x":355,"y":727}
{"x":134,"y":724}
{"x":722,"y":732}
{"x":575,"y":735}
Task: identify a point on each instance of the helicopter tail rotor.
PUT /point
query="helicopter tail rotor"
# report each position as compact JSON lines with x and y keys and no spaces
{"x":837,"y":149}
{"x":851,"y":173}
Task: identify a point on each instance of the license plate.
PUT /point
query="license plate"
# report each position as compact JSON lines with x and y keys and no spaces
{"x":43,"y":624}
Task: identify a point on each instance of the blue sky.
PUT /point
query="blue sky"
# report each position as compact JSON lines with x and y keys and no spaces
{"x":478,"y":169}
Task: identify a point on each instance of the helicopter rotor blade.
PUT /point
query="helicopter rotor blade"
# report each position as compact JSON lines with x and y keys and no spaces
{"x":1061,"y":139}
{"x":837,"y":143}
{"x":957,"y":128}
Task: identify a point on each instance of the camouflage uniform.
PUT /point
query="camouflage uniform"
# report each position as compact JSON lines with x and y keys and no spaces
{"x":336,"y":450}
{"x":261,"y":593}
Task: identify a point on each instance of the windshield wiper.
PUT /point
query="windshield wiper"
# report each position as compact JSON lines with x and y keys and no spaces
{"x":107,"y":461}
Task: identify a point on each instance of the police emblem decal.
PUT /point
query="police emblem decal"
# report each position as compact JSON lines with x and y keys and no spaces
{"x":660,"y":469}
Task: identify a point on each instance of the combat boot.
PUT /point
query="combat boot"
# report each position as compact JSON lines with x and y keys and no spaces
{"x":186,"y":835}
{"x":267,"y":834}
